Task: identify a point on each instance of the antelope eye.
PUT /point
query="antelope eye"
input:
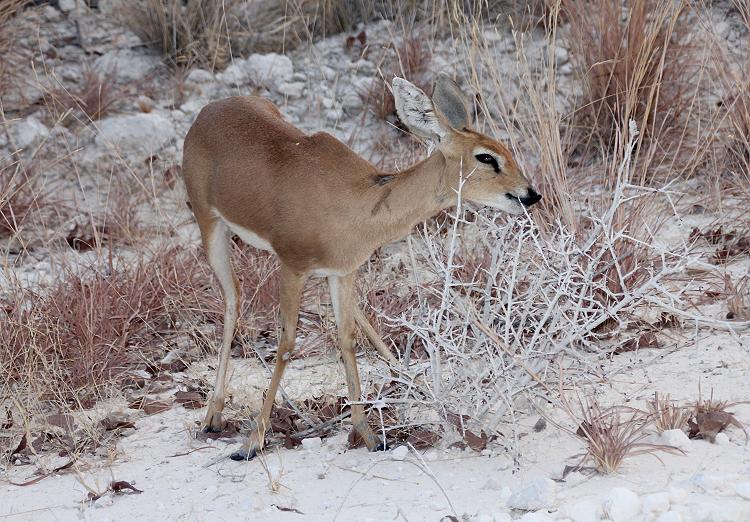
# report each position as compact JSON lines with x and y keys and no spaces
{"x":489,"y":160}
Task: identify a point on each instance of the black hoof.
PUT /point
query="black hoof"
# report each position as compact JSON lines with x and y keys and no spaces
{"x":210,"y":429}
{"x":381,"y":447}
{"x":242,"y":454}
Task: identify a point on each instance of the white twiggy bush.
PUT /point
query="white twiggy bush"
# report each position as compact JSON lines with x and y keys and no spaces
{"x":499,"y":331}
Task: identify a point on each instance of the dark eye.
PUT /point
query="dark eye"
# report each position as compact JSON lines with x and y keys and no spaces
{"x":489,"y":160}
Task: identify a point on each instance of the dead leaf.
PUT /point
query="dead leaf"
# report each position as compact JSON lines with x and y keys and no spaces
{"x":114,"y":422}
{"x":191,"y":400}
{"x":288,"y":509}
{"x":476,"y":442}
{"x":423,"y":439}
{"x":646,"y":340}
{"x":120,"y":486}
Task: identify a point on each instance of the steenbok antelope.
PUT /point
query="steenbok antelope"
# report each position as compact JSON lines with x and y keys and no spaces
{"x":324,"y":210}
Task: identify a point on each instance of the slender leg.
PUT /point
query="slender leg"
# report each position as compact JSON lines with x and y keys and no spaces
{"x":344,"y":307}
{"x":218,"y":249}
{"x":373,"y":336}
{"x":291,"y":290}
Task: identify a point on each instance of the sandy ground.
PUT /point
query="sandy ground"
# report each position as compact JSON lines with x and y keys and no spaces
{"x":185,"y":479}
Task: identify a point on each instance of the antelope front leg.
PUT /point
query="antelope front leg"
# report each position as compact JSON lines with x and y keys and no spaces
{"x":344,"y":308}
{"x":291,"y":289}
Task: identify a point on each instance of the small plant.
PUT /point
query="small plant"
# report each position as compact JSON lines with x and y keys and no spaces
{"x":666,"y":414}
{"x":612,"y":435}
{"x":710,"y":417}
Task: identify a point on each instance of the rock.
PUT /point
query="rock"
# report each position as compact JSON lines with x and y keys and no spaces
{"x":29,"y":132}
{"x":722,"y":439}
{"x":334,"y":114}
{"x":199,"y":76}
{"x":491,"y":485}
{"x":136,"y":136}
{"x":400,"y":453}
{"x":539,"y":516}
{"x":561,"y":55}
{"x":291,"y":89}
{"x":500,"y":516}
{"x":538,"y":494}
{"x":743,"y":490}
{"x":235,"y":73}
{"x":126,"y":64}
{"x":676,"y":438}
{"x":621,"y":504}
{"x":583,"y":511}
{"x":656,"y":503}
{"x":351,"y":101}
{"x":670,"y":516}
{"x":312,"y":443}
{"x":269,"y":70}
{"x":66,"y":5}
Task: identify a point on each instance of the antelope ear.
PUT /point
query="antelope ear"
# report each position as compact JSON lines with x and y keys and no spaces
{"x":451,"y":102}
{"x":416,"y":111}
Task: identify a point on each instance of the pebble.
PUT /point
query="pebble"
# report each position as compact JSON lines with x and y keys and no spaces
{"x":743,"y":490}
{"x":670,"y":516}
{"x":400,"y":453}
{"x":312,"y":443}
{"x":676,"y":438}
{"x":621,"y":504}
{"x":722,"y":439}
{"x":583,"y":511}
{"x":539,"y":516}
{"x":538,"y":494}
{"x":656,"y":502}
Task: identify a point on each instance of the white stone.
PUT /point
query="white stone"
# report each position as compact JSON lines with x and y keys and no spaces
{"x":29,"y":132}
{"x":722,"y":439}
{"x":66,"y":5}
{"x":621,"y":504}
{"x":400,"y":453}
{"x":670,"y":516}
{"x":583,"y":511}
{"x":561,"y":55}
{"x":538,"y":494}
{"x":135,"y":136}
{"x":351,"y":101}
{"x":291,"y":89}
{"x":539,"y":516}
{"x":656,"y":502}
{"x":199,"y":76}
{"x":492,"y":485}
{"x":193,"y":107}
{"x":743,"y":490}
{"x":675,"y":438}
{"x":269,"y":70}
{"x":127,"y":64}
{"x":501,"y":516}
{"x":235,"y":73}
{"x":312,"y":443}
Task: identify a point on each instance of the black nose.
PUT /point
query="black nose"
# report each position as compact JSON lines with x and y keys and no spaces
{"x":529,"y":199}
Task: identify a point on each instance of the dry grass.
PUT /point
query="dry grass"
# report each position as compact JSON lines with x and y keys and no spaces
{"x":667,"y":414}
{"x":633,"y":67}
{"x":192,"y":33}
{"x":613,"y":435}
{"x":93,"y":98}
{"x":711,"y":417}
{"x":21,"y":193}
{"x":8,"y":47}
{"x":409,"y":59}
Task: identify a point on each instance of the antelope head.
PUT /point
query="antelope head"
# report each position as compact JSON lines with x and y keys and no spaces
{"x":490,"y":175}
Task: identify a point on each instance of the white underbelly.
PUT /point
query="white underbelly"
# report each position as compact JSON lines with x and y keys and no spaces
{"x":246,"y":235}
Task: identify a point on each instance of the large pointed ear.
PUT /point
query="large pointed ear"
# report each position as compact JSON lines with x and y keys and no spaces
{"x":415,"y":110}
{"x":452,"y":102}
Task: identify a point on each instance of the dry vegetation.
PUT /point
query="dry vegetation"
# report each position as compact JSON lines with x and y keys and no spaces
{"x":485,"y":332}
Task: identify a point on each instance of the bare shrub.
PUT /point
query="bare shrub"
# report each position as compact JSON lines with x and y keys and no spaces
{"x":667,"y":414}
